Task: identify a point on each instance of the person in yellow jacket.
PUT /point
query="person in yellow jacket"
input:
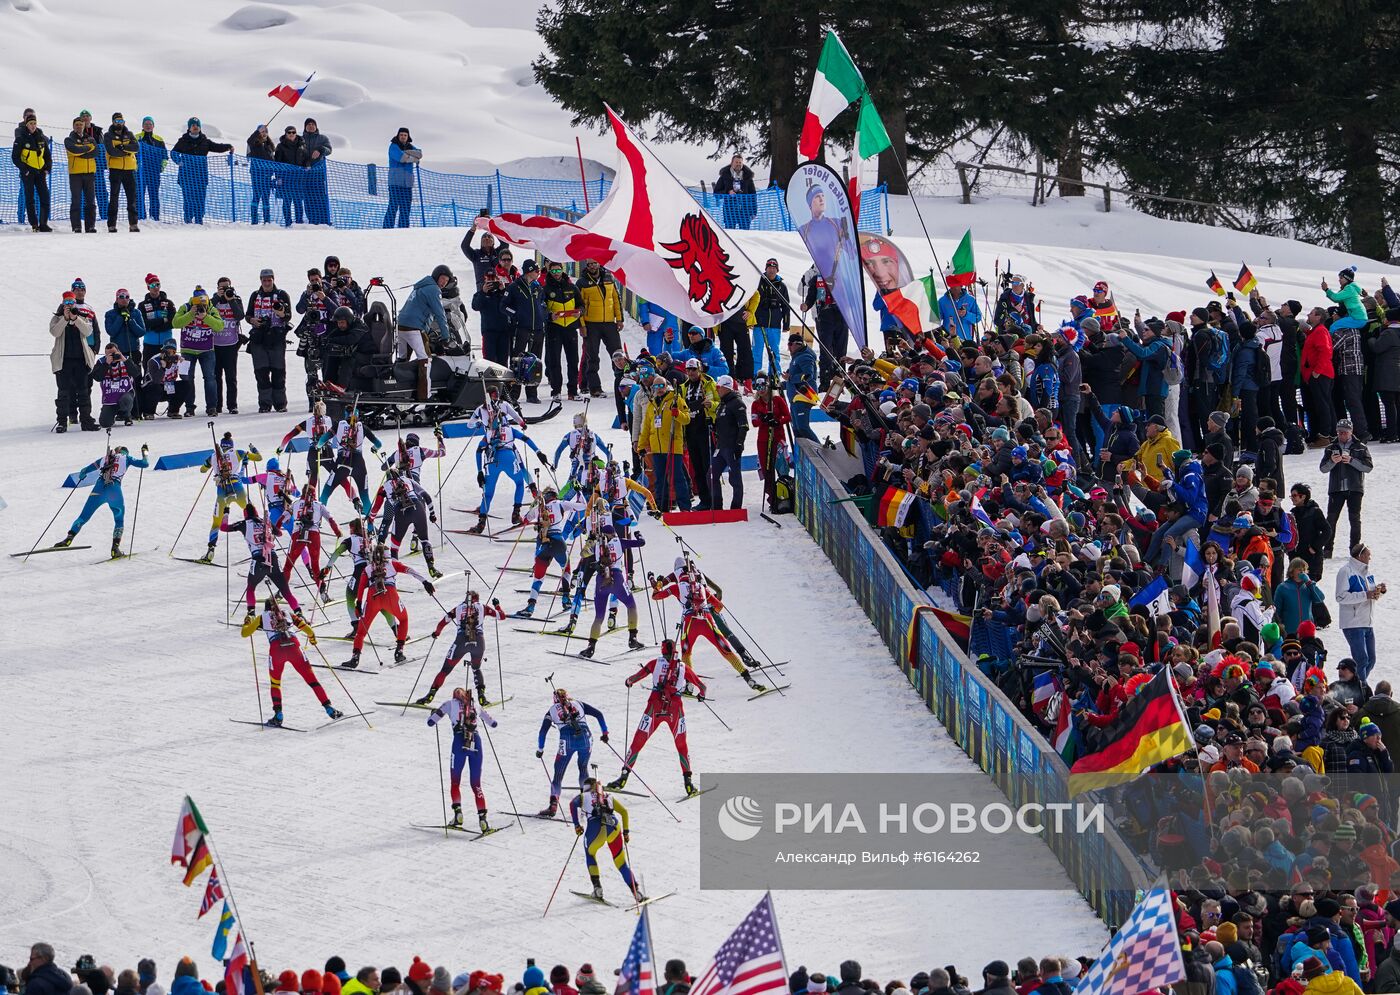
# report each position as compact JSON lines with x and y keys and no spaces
{"x":122,"y":148}
{"x":31,"y":157}
{"x":663,"y":443}
{"x":561,"y":304}
{"x":602,"y":322}
{"x":82,"y":178}
{"x":1159,"y":444}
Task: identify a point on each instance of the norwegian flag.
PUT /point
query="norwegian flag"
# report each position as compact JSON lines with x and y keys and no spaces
{"x":289,"y":93}
{"x":751,"y":961}
{"x":651,"y":234}
{"x":637,"y":972}
{"x":213,"y":893}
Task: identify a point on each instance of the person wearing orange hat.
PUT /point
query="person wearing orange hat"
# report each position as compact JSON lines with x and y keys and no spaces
{"x":311,"y":982}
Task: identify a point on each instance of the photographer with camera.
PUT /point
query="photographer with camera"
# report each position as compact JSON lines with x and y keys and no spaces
{"x":348,"y":348}
{"x":227,"y":341}
{"x":340,"y":288}
{"x":197,"y":322}
{"x":267,"y":315}
{"x":315,"y":308}
{"x":71,"y":361}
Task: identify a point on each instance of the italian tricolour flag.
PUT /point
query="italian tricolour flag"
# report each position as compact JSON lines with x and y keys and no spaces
{"x":836,"y":85}
{"x":915,"y":305}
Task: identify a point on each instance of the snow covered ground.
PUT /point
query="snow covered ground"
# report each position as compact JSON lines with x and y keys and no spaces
{"x":122,"y":679}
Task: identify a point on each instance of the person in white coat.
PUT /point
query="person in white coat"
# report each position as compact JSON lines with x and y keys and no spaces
{"x":1357,"y":593}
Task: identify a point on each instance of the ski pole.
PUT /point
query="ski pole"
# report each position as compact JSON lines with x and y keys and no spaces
{"x":257,"y":684}
{"x":627,"y":721}
{"x":500,"y":666}
{"x":71,"y":492}
{"x":420,"y":674}
{"x":497,"y":758}
{"x":706,"y":703}
{"x":191,"y":511}
{"x":647,"y":592}
{"x":348,"y":695}
{"x":136,"y":508}
{"x":643,"y":783}
{"x":562,"y":870}
{"x":442,"y":784}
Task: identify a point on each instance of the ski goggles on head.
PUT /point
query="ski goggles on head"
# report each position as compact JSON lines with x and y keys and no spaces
{"x":79,"y":285}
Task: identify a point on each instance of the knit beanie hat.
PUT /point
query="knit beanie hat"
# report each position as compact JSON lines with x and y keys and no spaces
{"x":533,"y":977}
{"x":311,"y":981}
{"x":442,"y":980}
{"x":420,"y":970}
{"x":288,"y":981}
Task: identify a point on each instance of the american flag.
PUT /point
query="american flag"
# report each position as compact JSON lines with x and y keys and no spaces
{"x":751,"y":961}
{"x":1143,"y":954}
{"x":638,"y":973}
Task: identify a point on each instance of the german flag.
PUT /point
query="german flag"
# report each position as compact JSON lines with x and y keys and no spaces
{"x":1245,"y":282}
{"x":1214,"y":284}
{"x":1147,"y":730}
{"x":200,"y":861}
{"x":849,"y":441}
{"x":958,"y":626}
{"x":894,"y":508}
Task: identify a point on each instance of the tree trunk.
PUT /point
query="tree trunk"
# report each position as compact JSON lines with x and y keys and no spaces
{"x":1364,"y":192}
{"x":782,"y":144}
{"x":1070,"y":164}
{"x":897,"y":124}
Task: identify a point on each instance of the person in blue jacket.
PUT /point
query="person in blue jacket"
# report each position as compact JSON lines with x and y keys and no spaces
{"x":403,"y":157}
{"x":490,"y":303}
{"x":1246,"y":382}
{"x":663,"y":328}
{"x":424,"y":303}
{"x":106,"y":490}
{"x":702,"y":347}
{"x":959,"y":312}
{"x":1153,"y":355}
{"x":569,"y":715}
{"x":801,"y":377}
{"x":124,"y":324}
{"x":1189,"y":489}
{"x":526,"y":312}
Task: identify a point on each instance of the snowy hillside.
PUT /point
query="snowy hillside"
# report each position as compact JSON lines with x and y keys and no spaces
{"x":456,"y":74}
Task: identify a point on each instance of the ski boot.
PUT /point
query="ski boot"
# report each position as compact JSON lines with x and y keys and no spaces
{"x":298,"y":618}
{"x":621,"y":781}
{"x":332,"y":712}
{"x":481,"y":697}
{"x":528,"y":610}
{"x":276,"y":719}
{"x":481,"y":820}
{"x":456,"y":815}
{"x":550,"y":810}
{"x":568,"y":628}
{"x":612,"y":618}
{"x":399,"y":655}
{"x":690,"y":788}
{"x":249,"y":615}
{"x":479,"y":527}
{"x":598,"y":892}
{"x":433,"y":571}
{"x":633,"y":643}
{"x":353,"y":662}
{"x":427,"y":699}
{"x":324,"y":590}
{"x":66,"y":541}
{"x":748,"y":679}
{"x":587,"y":651}
{"x":87,"y":424}
{"x":515,"y":515}
{"x":117,"y":553}
{"x":208,"y":556}
{"x":413,"y":546}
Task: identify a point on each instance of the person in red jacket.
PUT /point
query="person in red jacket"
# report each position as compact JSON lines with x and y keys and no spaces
{"x":378,"y":593}
{"x":1317,"y":374}
{"x":769,"y":414}
{"x":670,"y":678}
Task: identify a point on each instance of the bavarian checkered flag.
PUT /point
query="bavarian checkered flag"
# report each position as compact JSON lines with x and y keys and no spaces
{"x":1143,"y":954}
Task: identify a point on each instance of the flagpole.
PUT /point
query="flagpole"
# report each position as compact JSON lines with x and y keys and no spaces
{"x":777,"y":933}
{"x":233,"y":904}
{"x":284,"y":106}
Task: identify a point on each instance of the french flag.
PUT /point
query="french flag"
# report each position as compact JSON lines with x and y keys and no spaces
{"x":289,"y":94}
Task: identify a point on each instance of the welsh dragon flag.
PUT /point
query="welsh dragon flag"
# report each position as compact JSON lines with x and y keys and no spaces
{"x":836,"y":85}
{"x":651,"y":234}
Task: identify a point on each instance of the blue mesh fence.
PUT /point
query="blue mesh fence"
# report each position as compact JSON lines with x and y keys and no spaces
{"x":224,"y":188}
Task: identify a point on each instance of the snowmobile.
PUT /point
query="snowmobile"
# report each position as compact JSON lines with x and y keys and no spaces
{"x":392,"y":393}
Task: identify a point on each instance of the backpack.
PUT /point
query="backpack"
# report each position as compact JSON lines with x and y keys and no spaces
{"x":1218,"y":359}
{"x":1291,"y":525}
{"x":784,"y":489}
{"x":1263,"y":372}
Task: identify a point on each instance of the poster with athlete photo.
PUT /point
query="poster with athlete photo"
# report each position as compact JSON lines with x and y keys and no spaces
{"x":885,"y":263}
{"x":821,"y":212}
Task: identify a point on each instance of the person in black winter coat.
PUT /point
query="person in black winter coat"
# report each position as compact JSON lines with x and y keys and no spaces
{"x":41,"y":976}
{"x":1314,"y":534}
{"x":261,"y":153}
{"x":1346,"y":461}
{"x":770,"y":320}
{"x":731,"y":425}
{"x":735,"y":184}
{"x":525,"y":308}
{"x":1269,"y":446}
{"x":318,"y":149}
{"x":483,"y":258}
{"x":1215,"y":474}
{"x":1121,"y":440}
{"x":268,"y":314}
{"x":191,"y":154}
{"x":1385,"y":373}
{"x":288,"y":176}
{"x":1287,"y":313}
{"x":496,"y":332}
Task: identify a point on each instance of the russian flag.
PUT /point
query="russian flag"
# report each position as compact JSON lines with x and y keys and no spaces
{"x":289,"y":94}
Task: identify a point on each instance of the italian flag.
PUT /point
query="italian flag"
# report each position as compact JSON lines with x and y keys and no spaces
{"x":836,"y":86}
{"x":915,"y":305}
{"x":961,"y":270}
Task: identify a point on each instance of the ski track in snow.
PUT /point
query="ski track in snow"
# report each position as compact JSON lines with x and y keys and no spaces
{"x":122,"y":678}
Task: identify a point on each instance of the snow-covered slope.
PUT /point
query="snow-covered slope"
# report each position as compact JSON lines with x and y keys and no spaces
{"x":456,"y":74}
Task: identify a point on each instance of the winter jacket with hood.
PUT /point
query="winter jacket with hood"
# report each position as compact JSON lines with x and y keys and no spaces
{"x":1354,"y":580}
{"x":1385,"y":347}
